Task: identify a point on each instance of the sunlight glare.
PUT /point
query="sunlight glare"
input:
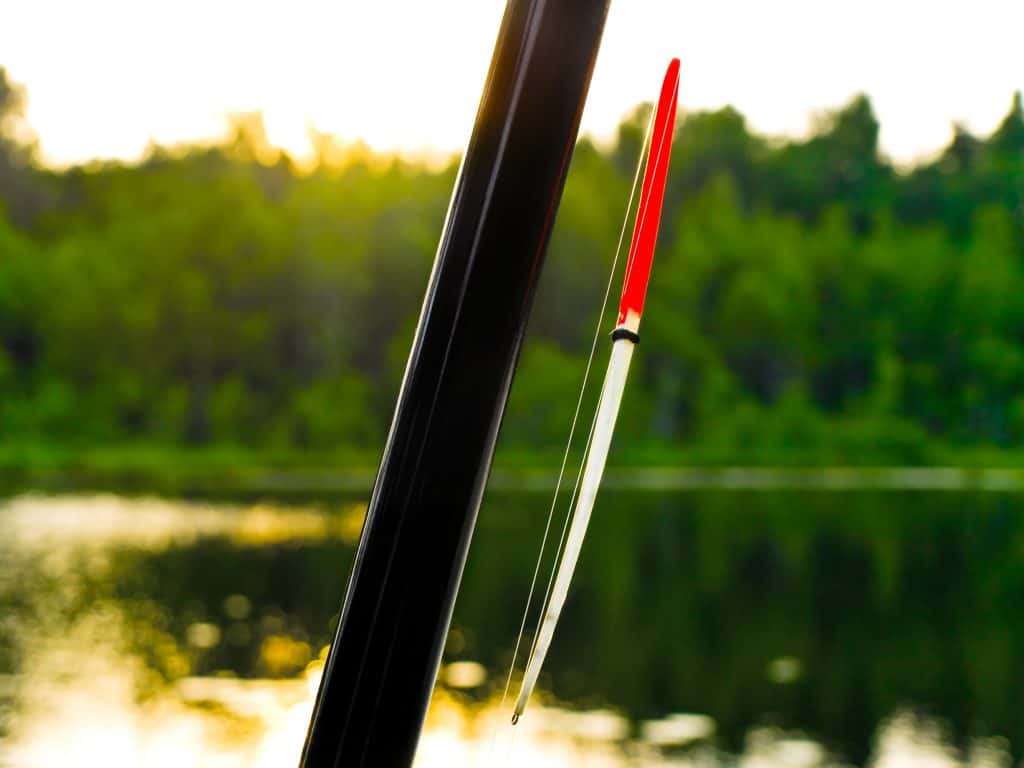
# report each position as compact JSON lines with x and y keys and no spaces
{"x":114,"y":76}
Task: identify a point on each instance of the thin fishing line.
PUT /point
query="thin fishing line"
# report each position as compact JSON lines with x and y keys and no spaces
{"x":579,"y":404}
{"x":642,"y":217}
{"x":575,"y":418}
{"x":593,"y":423}
{"x":565,"y":529}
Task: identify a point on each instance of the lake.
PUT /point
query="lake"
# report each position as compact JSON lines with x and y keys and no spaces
{"x":801,"y":627}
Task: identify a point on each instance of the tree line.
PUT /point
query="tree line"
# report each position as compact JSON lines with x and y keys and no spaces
{"x":811,"y":301}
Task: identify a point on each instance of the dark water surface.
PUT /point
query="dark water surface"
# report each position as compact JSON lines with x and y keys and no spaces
{"x":791,"y":627}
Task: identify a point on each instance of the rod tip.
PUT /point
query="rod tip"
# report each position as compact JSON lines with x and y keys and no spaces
{"x":515,"y":718}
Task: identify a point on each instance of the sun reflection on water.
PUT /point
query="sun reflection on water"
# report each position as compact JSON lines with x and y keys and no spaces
{"x":106,"y":520}
{"x":93,"y":707}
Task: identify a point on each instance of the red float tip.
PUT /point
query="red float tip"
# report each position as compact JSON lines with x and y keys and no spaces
{"x":652,"y":195}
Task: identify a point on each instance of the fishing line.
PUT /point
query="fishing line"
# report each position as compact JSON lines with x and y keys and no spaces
{"x":575,"y":420}
{"x":642,"y":218}
{"x":565,"y":529}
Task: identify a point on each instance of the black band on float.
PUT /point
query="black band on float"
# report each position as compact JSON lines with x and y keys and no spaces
{"x":625,"y":333}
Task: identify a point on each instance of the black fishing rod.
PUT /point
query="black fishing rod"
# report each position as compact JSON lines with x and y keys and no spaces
{"x":382,"y":665}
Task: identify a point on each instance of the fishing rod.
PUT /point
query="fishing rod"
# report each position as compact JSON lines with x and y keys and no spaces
{"x":625,"y":337}
{"x":384,"y":658}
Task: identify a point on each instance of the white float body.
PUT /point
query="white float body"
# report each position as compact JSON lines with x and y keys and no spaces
{"x":604,"y":426}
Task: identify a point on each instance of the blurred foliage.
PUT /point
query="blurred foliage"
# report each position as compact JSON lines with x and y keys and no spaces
{"x":812,"y":303}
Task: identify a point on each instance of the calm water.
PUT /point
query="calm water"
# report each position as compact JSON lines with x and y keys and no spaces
{"x":768,"y":627}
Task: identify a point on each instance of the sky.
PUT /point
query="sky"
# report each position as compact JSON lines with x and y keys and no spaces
{"x":106,"y":78}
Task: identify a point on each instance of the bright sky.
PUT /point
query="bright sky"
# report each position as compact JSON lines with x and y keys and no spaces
{"x":106,"y":77}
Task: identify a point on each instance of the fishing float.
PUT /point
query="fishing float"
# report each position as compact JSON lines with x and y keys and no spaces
{"x":625,"y":337}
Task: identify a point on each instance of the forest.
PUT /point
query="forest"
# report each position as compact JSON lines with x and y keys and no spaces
{"x":812,"y":303}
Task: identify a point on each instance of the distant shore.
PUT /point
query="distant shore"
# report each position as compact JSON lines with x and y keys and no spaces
{"x":231,"y":470}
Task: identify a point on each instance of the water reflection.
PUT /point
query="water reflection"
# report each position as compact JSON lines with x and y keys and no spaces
{"x":153,"y":632}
